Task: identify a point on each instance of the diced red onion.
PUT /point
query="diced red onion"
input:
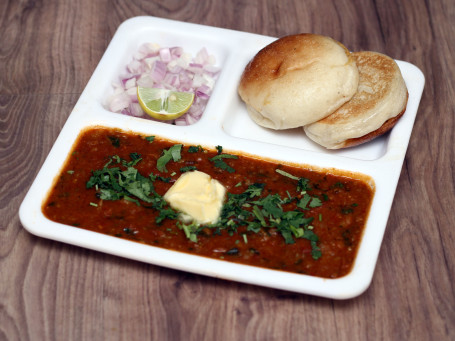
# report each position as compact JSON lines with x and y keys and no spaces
{"x":132,"y":93}
{"x":203,"y":92}
{"x":136,"y":110}
{"x":150,"y":61}
{"x":135,"y":67}
{"x":176,"y":52}
{"x":130,"y":83}
{"x":158,"y":71}
{"x":145,"y":81}
{"x":119,"y":102}
{"x":165,"y":55}
{"x":169,"y":68}
{"x":202,"y":56}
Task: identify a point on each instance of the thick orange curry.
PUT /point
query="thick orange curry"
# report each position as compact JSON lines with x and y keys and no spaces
{"x":278,"y":216}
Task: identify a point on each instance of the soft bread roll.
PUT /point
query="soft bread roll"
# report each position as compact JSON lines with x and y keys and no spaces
{"x":380,"y":100}
{"x":297,"y":80}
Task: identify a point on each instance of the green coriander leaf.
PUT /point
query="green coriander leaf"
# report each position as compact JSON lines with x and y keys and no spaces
{"x":315,"y":251}
{"x":167,"y":213}
{"x":303,"y":203}
{"x":254,"y":190}
{"x":115,"y":141}
{"x":303,"y":185}
{"x":339,"y":185}
{"x":223,"y":165}
{"x":189,"y":230}
{"x":127,"y":198}
{"x":310,"y":235}
{"x":345,"y":210}
{"x":135,"y":158}
{"x":223,"y":156}
{"x":173,"y":153}
{"x":114,"y":158}
{"x":258,"y":213}
{"x":315,"y":202}
{"x":282,"y":172}
{"x":150,"y":138}
{"x":187,"y":169}
{"x":154,"y":177}
{"x":271,"y":205}
{"x":195,"y":149}
{"x":287,"y":235}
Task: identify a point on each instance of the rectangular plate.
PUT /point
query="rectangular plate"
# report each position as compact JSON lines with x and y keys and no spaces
{"x":224,"y":122}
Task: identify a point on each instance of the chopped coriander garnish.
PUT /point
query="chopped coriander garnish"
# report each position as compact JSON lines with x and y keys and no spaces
{"x":195,"y":149}
{"x":187,"y":169}
{"x":173,"y":153}
{"x":115,"y":141}
{"x":347,"y":210}
{"x":219,"y":149}
{"x":282,"y":172}
{"x":93,"y":204}
{"x":70,"y":172}
{"x":189,"y":230}
{"x":339,"y":185}
{"x":303,"y":185}
{"x":123,"y":181}
{"x":135,"y":157}
{"x":150,"y":138}
{"x":223,"y":156}
{"x":219,"y":162}
{"x":315,"y":202}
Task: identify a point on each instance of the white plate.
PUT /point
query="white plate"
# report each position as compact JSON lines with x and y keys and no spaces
{"x":224,"y":122}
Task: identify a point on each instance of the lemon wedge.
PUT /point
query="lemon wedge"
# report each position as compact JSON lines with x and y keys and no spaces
{"x":164,"y":104}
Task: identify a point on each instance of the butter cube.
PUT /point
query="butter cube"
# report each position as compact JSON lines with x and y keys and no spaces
{"x":198,"y":196}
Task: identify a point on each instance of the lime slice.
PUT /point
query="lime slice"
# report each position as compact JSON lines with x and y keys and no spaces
{"x":164,"y":104}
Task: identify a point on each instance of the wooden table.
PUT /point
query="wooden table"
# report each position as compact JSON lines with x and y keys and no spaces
{"x":53,"y":291}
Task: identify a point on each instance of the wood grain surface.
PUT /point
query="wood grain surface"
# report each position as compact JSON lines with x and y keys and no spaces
{"x":54,"y":291}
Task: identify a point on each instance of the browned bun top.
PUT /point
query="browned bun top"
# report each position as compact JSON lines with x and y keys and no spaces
{"x":381,"y":97}
{"x":297,"y":80}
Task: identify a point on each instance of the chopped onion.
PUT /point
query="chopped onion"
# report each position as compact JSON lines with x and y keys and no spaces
{"x":119,"y":102}
{"x":169,"y":68}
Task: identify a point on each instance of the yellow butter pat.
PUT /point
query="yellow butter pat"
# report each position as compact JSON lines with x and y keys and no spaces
{"x":198,"y":196}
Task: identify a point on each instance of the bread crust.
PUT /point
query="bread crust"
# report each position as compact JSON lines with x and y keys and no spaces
{"x":298,"y":79}
{"x":380,"y":100}
{"x":388,"y":125}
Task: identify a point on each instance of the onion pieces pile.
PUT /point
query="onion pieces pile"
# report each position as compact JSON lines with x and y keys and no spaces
{"x":172,"y":68}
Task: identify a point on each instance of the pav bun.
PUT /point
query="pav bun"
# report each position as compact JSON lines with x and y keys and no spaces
{"x":379,"y":102}
{"x":297,"y":80}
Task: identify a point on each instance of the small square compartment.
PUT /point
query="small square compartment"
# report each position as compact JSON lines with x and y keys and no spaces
{"x":123,"y":47}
